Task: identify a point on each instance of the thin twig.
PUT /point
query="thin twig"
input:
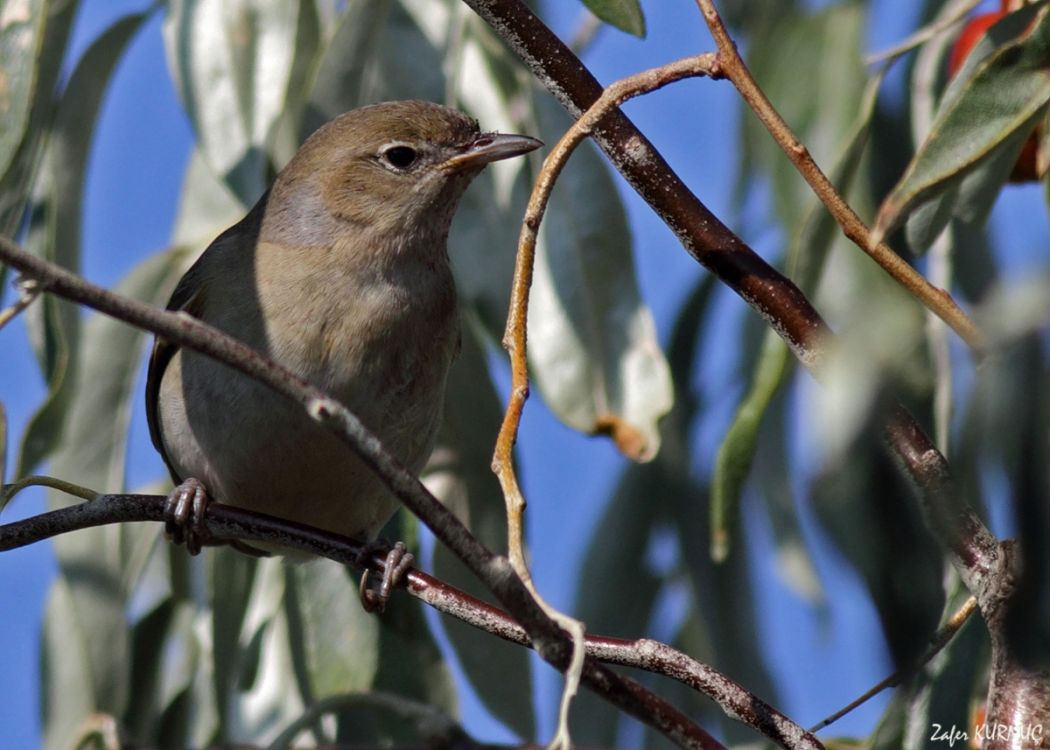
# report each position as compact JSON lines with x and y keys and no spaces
{"x":494,"y":571}
{"x":938,"y":301}
{"x":942,"y":638}
{"x":514,"y":338}
{"x":227,"y":522}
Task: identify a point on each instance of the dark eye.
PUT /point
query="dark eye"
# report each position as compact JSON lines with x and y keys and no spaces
{"x":400,"y":157}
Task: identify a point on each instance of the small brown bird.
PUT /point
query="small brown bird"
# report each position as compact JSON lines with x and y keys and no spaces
{"x":341,"y":274}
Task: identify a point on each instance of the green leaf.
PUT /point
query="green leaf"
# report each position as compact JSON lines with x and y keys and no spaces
{"x":626,"y":15}
{"x":40,"y":72}
{"x":819,"y":95}
{"x":335,"y":643}
{"x":459,"y":475}
{"x":592,"y":341}
{"x":806,"y":257}
{"x":987,"y":113}
{"x":56,"y":233}
{"x":232,"y":61}
{"x":67,"y":695}
{"x":22,"y":26}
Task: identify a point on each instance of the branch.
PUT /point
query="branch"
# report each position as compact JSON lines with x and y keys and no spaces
{"x":494,"y":571}
{"x":227,"y":522}
{"x":781,"y":304}
{"x":514,"y":339}
{"x":936,"y":300}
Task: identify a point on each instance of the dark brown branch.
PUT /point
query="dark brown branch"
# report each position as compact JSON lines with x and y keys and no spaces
{"x":550,"y":641}
{"x":711,"y":243}
{"x":226,"y":522}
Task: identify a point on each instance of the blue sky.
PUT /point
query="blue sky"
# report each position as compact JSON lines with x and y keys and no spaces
{"x":131,"y":197}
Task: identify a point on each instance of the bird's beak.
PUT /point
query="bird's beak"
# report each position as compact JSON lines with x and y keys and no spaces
{"x":489,"y":147}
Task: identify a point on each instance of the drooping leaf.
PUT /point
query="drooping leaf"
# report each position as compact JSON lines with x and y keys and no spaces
{"x":55,"y":232}
{"x":22,"y":27}
{"x":819,"y":95}
{"x":805,"y":262}
{"x":626,"y":15}
{"x":986,"y":114}
{"x":65,"y":660}
{"x":232,"y":62}
{"x":459,"y":475}
{"x":593,"y":348}
{"x":335,"y":643}
{"x":36,"y":83}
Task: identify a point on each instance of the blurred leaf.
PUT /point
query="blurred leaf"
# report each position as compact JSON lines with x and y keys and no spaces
{"x":626,"y":15}
{"x":54,"y":21}
{"x":55,"y":234}
{"x":986,"y":114}
{"x":357,"y":47}
{"x":65,"y":662}
{"x":459,"y":475}
{"x":617,"y":558}
{"x":805,"y":262}
{"x":871,"y":512}
{"x":616,"y":570}
{"x":410,"y":664}
{"x":231,"y":576}
{"x":819,"y":95}
{"x":232,"y":61}
{"x":206,"y":207}
{"x":335,"y":643}
{"x":593,"y":348}
{"x":22,"y":26}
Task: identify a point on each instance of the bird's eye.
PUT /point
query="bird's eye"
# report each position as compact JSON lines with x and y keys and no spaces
{"x":400,"y":157}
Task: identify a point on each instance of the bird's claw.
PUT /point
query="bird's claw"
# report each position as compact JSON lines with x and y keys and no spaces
{"x":184,"y":513}
{"x":398,"y":561}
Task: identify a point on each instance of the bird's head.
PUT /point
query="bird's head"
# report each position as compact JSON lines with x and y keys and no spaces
{"x":393,"y":167}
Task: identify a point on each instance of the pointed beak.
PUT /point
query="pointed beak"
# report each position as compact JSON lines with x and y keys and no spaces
{"x":490,"y":147}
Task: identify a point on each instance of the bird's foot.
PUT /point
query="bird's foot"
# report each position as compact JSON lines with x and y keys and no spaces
{"x":398,"y":561}
{"x":184,"y":513}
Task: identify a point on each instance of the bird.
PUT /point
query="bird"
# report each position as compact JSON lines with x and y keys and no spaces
{"x":340,"y":273}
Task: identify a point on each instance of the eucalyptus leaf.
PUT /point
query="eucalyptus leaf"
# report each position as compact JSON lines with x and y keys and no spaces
{"x":65,"y":660}
{"x":806,"y":258}
{"x":626,"y":15}
{"x":593,"y":348}
{"x":22,"y":27}
{"x":459,"y":475}
{"x":819,"y":95}
{"x":233,"y":63}
{"x":334,"y":641}
{"x":986,"y":114}
{"x":39,"y":69}
{"x":55,"y":234}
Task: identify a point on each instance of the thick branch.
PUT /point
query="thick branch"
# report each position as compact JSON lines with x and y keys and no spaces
{"x":551,"y":642}
{"x":227,"y":522}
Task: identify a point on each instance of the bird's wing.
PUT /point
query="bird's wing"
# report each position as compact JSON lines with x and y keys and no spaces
{"x":189,"y":297}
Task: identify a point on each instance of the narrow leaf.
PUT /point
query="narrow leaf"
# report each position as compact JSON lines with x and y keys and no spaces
{"x":459,"y":475}
{"x":232,"y":62}
{"x":592,"y":342}
{"x":985,"y":116}
{"x":22,"y":26}
{"x":626,"y":15}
